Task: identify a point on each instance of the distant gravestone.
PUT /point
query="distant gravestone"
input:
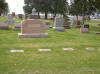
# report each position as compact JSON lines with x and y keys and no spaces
{"x":17,"y":26}
{"x":26,"y":16}
{"x":66,"y":23}
{"x":85,"y":28}
{"x":59,"y":23}
{"x":47,"y":24}
{"x":20,"y":16}
{"x":34,"y":14}
{"x":33,"y":28}
{"x":10,"y":19}
{"x":13,"y":14}
{"x":78,"y":24}
{"x":73,"y":23}
{"x":4,"y":26}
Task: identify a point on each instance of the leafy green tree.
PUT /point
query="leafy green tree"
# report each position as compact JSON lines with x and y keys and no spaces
{"x":59,"y":7}
{"x":83,"y":8}
{"x":97,"y":4}
{"x":75,"y":10}
{"x":3,"y":7}
{"x":46,"y":6}
{"x":28,"y":6}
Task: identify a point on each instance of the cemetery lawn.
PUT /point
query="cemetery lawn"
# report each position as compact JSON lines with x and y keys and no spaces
{"x":79,"y":61}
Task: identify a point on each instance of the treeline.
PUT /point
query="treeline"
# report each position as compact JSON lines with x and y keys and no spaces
{"x":47,"y":6}
{"x":3,"y":7}
{"x":77,"y":7}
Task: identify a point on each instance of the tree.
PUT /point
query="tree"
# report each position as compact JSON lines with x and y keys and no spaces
{"x":28,"y":6}
{"x":97,"y":4}
{"x":85,"y":8}
{"x":59,"y":7}
{"x":3,"y":7}
{"x":46,"y":6}
{"x":75,"y":10}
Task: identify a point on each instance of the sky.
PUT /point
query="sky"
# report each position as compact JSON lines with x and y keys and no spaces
{"x":16,"y":6}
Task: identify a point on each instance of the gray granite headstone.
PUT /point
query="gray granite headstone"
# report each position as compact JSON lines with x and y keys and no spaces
{"x":10,"y":19}
{"x":73,"y":23}
{"x":59,"y":23}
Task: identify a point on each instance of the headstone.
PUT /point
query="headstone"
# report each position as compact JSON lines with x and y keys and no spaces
{"x":85,"y":28}
{"x":13,"y":14}
{"x":20,"y":16}
{"x":33,"y":28}
{"x":34,"y":14}
{"x":17,"y":26}
{"x":78,"y":25}
{"x":73,"y":23}
{"x":47,"y":24}
{"x":59,"y":23}
{"x":26,"y":16}
{"x":4,"y":26}
{"x":10,"y":19}
{"x":44,"y":50}
{"x":68,"y":49}
{"x":66,"y":23}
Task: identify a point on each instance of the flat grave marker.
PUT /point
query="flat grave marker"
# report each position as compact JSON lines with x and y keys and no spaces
{"x":44,"y":50}
{"x":68,"y":49}
{"x":14,"y":50}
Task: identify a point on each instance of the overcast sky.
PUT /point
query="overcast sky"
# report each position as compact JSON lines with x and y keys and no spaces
{"x":16,"y":6}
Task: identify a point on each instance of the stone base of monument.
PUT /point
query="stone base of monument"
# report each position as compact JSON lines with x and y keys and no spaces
{"x":84,"y":30}
{"x":97,"y":33}
{"x":33,"y":16}
{"x":78,"y":26}
{"x":33,"y":35}
{"x":17,"y":27}
{"x":58,"y":28}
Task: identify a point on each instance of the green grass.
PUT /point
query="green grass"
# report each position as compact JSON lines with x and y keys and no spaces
{"x":79,"y":61}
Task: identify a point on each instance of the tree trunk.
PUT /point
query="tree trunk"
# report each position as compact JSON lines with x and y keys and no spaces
{"x":0,"y":14}
{"x":39,"y":14}
{"x":77,"y":17}
{"x":46,"y":15}
{"x":54,"y":14}
{"x":83,"y":18}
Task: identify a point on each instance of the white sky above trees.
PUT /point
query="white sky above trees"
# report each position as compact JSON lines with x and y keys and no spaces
{"x":16,"y":6}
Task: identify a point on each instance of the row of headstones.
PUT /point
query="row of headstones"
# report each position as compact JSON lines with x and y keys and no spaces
{"x":48,"y":50}
{"x":61,"y":24}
